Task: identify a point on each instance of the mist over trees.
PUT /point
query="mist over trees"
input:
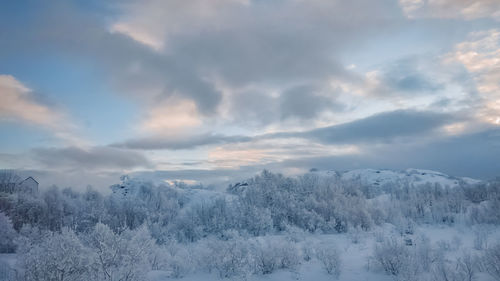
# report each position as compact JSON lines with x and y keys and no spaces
{"x":254,"y":227}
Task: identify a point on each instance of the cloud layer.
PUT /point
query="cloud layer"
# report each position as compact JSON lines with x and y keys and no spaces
{"x":94,"y":159}
{"x":234,"y":86}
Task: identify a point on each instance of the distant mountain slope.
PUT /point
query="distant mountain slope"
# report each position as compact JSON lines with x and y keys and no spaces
{"x":381,"y":177}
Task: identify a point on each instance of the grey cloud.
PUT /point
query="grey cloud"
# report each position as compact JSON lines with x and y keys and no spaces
{"x":268,"y":44}
{"x":451,"y":155}
{"x":257,"y":46}
{"x":296,"y":103}
{"x":295,"y":45}
{"x":473,"y":155}
{"x":94,"y":158}
{"x":382,"y":127}
{"x":133,"y":68}
{"x":188,"y":142}
{"x":254,"y":108}
{"x":303,"y":102}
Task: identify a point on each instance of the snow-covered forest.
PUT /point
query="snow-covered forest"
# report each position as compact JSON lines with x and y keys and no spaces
{"x":318,"y":226}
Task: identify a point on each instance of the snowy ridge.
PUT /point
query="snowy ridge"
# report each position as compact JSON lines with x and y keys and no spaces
{"x":380,"y":177}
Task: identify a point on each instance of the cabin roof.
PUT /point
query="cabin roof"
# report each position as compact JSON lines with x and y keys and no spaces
{"x":28,"y":179}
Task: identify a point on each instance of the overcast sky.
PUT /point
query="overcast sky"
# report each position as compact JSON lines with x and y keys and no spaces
{"x":220,"y":89}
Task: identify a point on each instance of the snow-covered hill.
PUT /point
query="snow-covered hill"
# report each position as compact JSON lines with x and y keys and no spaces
{"x":412,"y":176}
{"x":130,"y":188}
{"x":373,"y":177}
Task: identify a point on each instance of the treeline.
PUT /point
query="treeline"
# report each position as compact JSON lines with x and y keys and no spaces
{"x":267,"y":203}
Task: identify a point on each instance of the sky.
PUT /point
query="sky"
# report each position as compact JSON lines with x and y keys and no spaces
{"x":213,"y":91}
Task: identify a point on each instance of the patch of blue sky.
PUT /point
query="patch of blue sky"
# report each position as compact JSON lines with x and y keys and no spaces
{"x":77,"y":88}
{"x":419,"y":37}
{"x":17,"y":137}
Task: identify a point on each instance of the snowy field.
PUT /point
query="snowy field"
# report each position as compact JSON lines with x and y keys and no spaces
{"x":356,"y":252}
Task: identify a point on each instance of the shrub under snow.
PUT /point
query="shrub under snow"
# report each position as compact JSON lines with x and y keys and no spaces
{"x":330,"y":258}
{"x":392,"y":256}
{"x":491,"y":261}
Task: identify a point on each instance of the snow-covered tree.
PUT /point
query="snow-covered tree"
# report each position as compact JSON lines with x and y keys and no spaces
{"x":272,"y":253}
{"x":7,"y":234}
{"x":56,"y":257}
{"x":230,"y":258}
{"x":119,"y":257}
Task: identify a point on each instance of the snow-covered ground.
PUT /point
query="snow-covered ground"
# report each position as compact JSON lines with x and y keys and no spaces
{"x":355,"y":251}
{"x":356,"y":254}
{"x":7,"y":265}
